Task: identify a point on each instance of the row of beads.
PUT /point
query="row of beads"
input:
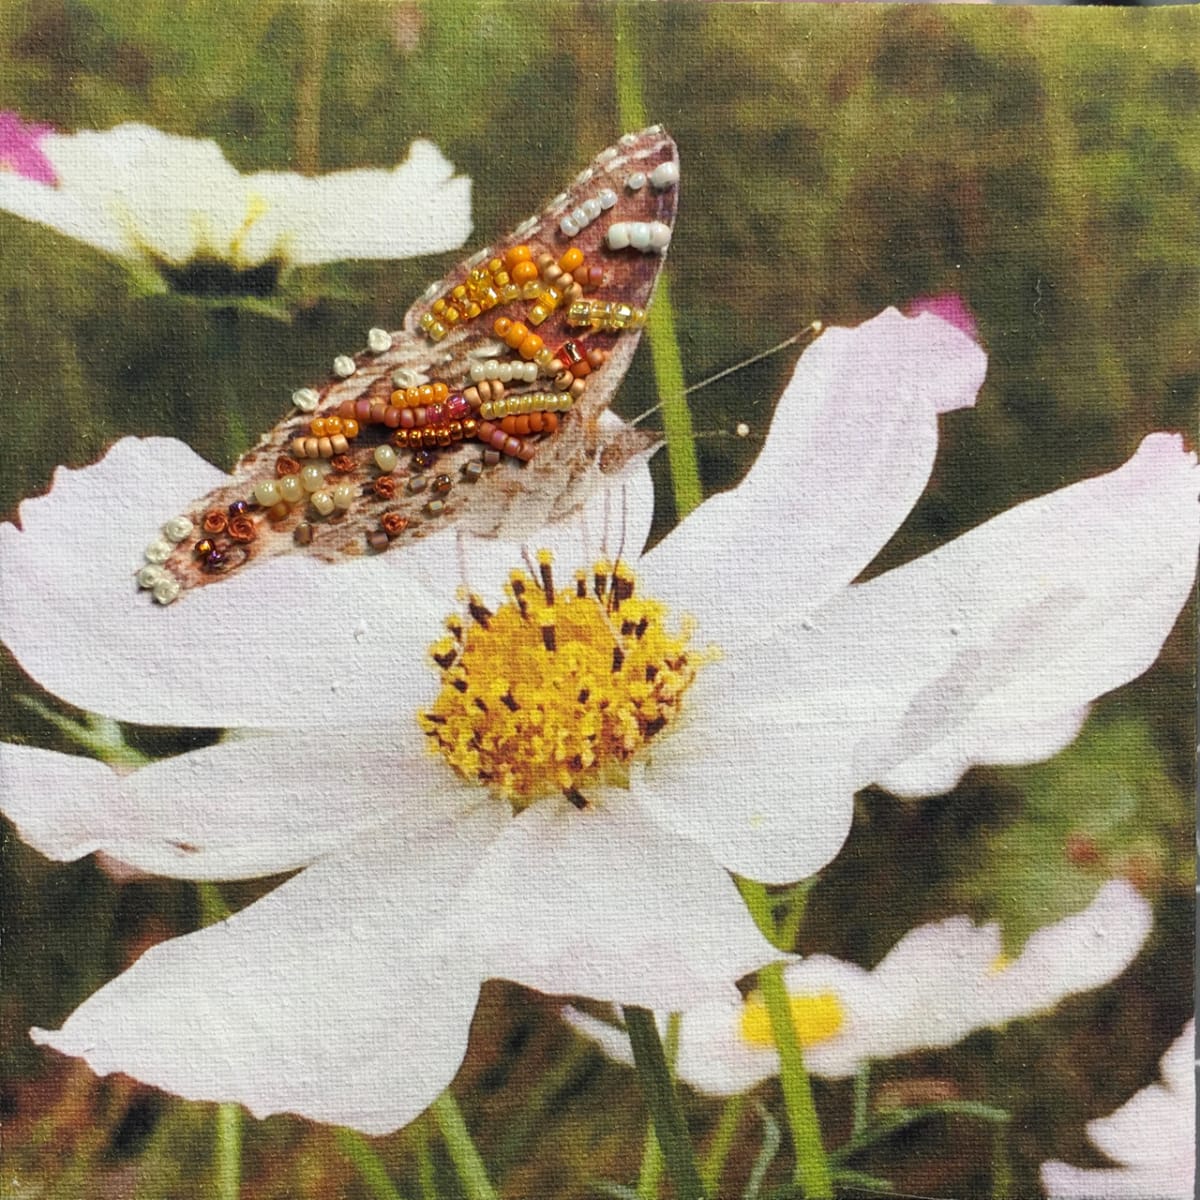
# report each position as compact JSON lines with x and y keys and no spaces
{"x":535,"y":422}
{"x":578,"y":219}
{"x":647,"y":236}
{"x":511,"y":406}
{"x":663,"y":176}
{"x":506,"y":372}
{"x":320,"y":447}
{"x":436,"y":435}
{"x":153,"y":577}
{"x":610,"y":316}
{"x":497,"y":439}
{"x":329,"y":426}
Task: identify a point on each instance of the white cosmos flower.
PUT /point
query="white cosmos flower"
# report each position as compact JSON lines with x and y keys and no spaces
{"x":346,"y":993}
{"x":164,"y":202}
{"x":1152,"y":1137}
{"x":938,"y":984}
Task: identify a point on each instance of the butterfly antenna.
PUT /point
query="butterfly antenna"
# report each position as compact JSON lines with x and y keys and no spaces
{"x":806,"y":335}
{"x":624,"y":524}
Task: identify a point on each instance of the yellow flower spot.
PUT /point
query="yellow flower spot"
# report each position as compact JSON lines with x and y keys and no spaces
{"x":999,"y":964}
{"x":557,"y":692}
{"x":816,"y":1019}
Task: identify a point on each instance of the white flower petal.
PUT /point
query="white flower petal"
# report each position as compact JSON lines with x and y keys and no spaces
{"x":65,"y":212}
{"x":1082,"y":951}
{"x":230,"y":653}
{"x":256,"y":806}
{"x":715,"y":1058}
{"x":418,"y":207}
{"x":1152,"y":1135}
{"x":604,"y":903}
{"x":1002,"y":744}
{"x":850,"y":450}
{"x":1017,"y":623}
{"x":759,"y":770}
{"x":337,"y":996}
{"x":612,"y":1039}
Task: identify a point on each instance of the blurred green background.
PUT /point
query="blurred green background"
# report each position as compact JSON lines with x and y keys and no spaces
{"x":1042,"y":163}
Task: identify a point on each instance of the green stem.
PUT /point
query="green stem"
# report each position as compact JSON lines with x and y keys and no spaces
{"x":1001,"y":1166}
{"x":367,"y":1163}
{"x":862,"y":1099}
{"x":652,"y":1160}
{"x":812,"y":1167}
{"x":227,"y":1161}
{"x":426,"y":1175}
{"x":903,"y":1118}
{"x":722,"y":1143}
{"x":670,"y":1126}
{"x":660,"y":320}
{"x":463,"y":1153}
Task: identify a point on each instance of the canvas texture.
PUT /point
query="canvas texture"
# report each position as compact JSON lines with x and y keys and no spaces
{"x":597,"y":600}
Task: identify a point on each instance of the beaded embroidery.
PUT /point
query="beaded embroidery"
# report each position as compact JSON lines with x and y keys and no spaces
{"x":520,"y":349}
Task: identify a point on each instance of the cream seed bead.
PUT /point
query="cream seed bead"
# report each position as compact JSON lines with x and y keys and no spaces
{"x":378,"y":340}
{"x":149,"y":575}
{"x":406,"y":377}
{"x":159,"y":552}
{"x":618,"y":235}
{"x":635,"y":181}
{"x":322,"y":502}
{"x":177,"y":528}
{"x":343,"y":495}
{"x":291,"y":489}
{"x":660,"y":235}
{"x":167,"y":590}
{"x":639,"y":235}
{"x":592,"y":208}
{"x":312,"y":478}
{"x":266,"y":492}
{"x":344,"y":366}
{"x":385,"y":458}
{"x":306,"y":399}
{"x":665,"y":175}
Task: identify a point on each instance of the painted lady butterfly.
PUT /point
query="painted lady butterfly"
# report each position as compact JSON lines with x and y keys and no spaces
{"x":482,"y":412}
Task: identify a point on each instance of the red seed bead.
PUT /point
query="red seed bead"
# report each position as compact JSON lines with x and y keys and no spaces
{"x":378,"y":411}
{"x":393,"y":416}
{"x":457,"y":407}
{"x":435,"y":414}
{"x":346,"y":409}
{"x":362,"y":410}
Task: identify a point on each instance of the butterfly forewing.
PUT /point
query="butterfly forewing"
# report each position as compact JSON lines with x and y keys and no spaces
{"x":562,"y":299}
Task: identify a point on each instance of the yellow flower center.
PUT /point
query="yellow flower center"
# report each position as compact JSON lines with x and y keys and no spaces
{"x":816,"y":1019}
{"x":557,"y":692}
{"x":999,"y":964}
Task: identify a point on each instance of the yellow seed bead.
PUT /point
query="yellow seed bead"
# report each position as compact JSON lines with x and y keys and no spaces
{"x":538,"y":313}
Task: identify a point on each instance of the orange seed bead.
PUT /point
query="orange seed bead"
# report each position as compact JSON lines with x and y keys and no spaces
{"x":516,"y":335}
{"x":572,"y":257}
{"x":440,"y":392}
{"x":524,"y":272}
{"x":502,"y":326}
{"x":333,"y":425}
{"x":317,"y":428}
{"x":516,"y":254}
{"x":530,"y":346}
{"x":350,"y":427}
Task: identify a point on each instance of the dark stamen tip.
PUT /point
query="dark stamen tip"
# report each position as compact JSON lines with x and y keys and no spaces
{"x":576,"y":797}
{"x":480,"y":613}
{"x":655,"y":726}
{"x":549,"y":640}
{"x":618,"y":658}
{"x":547,"y":581}
{"x":509,"y":702}
{"x":582,"y":698}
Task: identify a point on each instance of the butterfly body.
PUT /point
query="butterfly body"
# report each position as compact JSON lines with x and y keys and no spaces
{"x":575,"y":330}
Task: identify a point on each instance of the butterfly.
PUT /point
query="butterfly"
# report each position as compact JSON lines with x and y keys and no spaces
{"x":481,"y":413}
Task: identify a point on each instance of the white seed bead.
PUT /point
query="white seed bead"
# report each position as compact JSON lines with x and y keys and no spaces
{"x":580,"y":217}
{"x":149,"y":575}
{"x":312,"y":478}
{"x":639,"y":235}
{"x":743,"y":430}
{"x":291,"y":489}
{"x":618,"y":236}
{"x":343,"y":495}
{"x":627,"y":139}
{"x":635,"y":181}
{"x":569,"y":227}
{"x":665,"y":175}
{"x":177,"y":528}
{"x":592,"y":208}
{"x":560,"y":199}
{"x":266,"y":492}
{"x":343,"y":366}
{"x":322,"y":502}
{"x":660,"y":235}
{"x":406,"y":377}
{"x":166,"y":590}
{"x":306,"y":399}
{"x":378,"y":340}
{"x":607,"y":198}
{"x":505,"y":373}
{"x":478,"y":372}
{"x":385,"y":458}
{"x":531,"y":372}
{"x":159,"y":552}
